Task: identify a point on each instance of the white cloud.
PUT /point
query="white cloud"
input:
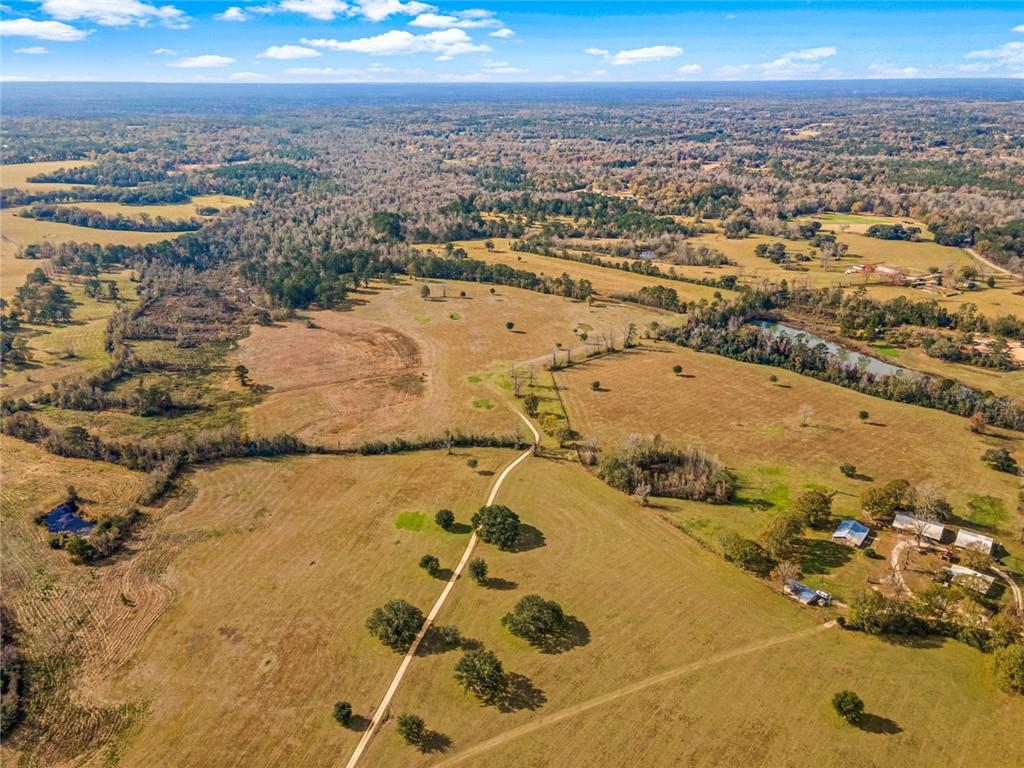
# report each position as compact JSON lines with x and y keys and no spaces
{"x":892,"y":72}
{"x":504,"y":32}
{"x":811,"y":54}
{"x":321,"y":10}
{"x":802,"y":63}
{"x":202,"y":62}
{"x":32,"y":50}
{"x":165,"y":52}
{"x":18,"y":79}
{"x":249,"y":77}
{"x":1018,"y":28}
{"x":288,"y":52}
{"x":473,"y":18}
{"x":116,"y":13}
{"x":1006,"y":55}
{"x":690,"y":69}
{"x":446,"y":42}
{"x":502,"y":68}
{"x":234,"y":13}
{"x":378,"y":10}
{"x":41,"y":30}
{"x":637,"y":55}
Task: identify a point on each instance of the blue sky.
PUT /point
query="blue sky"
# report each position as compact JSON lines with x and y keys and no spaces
{"x":439,"y":41}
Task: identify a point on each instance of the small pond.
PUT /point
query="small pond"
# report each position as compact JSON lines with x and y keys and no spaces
{"x":847,"y":356}
{"x":66,"y":518}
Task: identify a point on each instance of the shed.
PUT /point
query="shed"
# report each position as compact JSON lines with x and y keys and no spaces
{"x":851,"y":532}
{"x":911,"y":524}
{"x":970,"y":540}
{"x":970,"y":578}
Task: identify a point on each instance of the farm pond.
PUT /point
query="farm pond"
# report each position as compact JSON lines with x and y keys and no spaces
{"x":847,"y":356}
{"x":65,"y":518}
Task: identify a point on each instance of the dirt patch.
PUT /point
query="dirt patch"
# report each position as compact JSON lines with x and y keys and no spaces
{"x":345,"y":380}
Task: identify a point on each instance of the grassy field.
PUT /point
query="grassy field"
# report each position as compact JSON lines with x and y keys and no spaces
{"x":266,"y":629}
{"x":170,"y":211}
{"x":72,"y":349}
{"x":1004,"y":383}
{"x":859,"y":222}
{"x":17,"y":175}
{"x":19,"y":231}
{"x":398,"y":365}
{"x":753,"y":425}
{"x":654,"y":603}
{"x":605,"y":280}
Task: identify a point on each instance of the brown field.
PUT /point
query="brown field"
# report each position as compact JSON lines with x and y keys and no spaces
{"x":17,"y":175}
{"x":753,"y":425}
{"x":266,"y":629}
{"x":19,"y":232}
{"x":75,"y":625}
{"x":170,"y":211}
{"x":1003,"y":383}
{"x":400,"y":366}
{"x":605,"y":280}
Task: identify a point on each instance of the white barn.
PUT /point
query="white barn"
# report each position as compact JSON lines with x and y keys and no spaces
{"x":911,"y":524}
{"x":970,"y":540}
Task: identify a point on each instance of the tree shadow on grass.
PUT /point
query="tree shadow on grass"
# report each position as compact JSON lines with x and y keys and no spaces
{"x":519,"y":693}
{"x":878,"y":724}
{"x":443,"y":574}
{"x":572,"y":634}
{"x":821,"y":556}
{"x":914,"y":641}
{"x":529,"y":538}
{"x":460,"y":528}
{"x":433,"y":643}
{"x":358,"y":723}
{"x":433,"y":741}
{"x":501,"y":585}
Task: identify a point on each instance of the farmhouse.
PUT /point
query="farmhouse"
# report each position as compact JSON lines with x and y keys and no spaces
{"x":970,"y":578}
{"x":851,"y":533}
{"x":970,"y":540}
{"x":915,"y":525}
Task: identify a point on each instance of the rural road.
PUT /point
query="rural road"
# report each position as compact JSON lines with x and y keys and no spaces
{"x":381,"y":712}
{"x":1018,"y":598}
{"x":648,"y":682}
{"x":990,"y":264}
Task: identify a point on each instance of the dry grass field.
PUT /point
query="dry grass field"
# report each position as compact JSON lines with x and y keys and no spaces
{"x":655,"y":604}
{"x":605,"y":280}
{"x":75,"y":623}
{"x":19,"y":232}
{"x":397,"y":365}
{"x":753,"y":425}
{"x":266,"y":630}
{"x":170,"y":211}
{"x":17,"y":175}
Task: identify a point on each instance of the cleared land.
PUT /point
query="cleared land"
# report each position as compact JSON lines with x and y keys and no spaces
{"x":604,"y":279}
{"x":753,"y":425}
{"x":652,"y":603}
{"x":399,"y":365}
{"x":170,"y":211}
{"x":19,"y":231}
{"x":18,"y":174}
{"x":75,"y":623}
{"x":266,"y":631}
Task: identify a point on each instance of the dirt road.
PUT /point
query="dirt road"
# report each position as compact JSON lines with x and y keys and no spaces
{"x":381,"y":712}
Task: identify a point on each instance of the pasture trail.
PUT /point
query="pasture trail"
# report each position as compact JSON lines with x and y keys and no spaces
{"x":381,"y":712}
{"x":597,"y":701}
